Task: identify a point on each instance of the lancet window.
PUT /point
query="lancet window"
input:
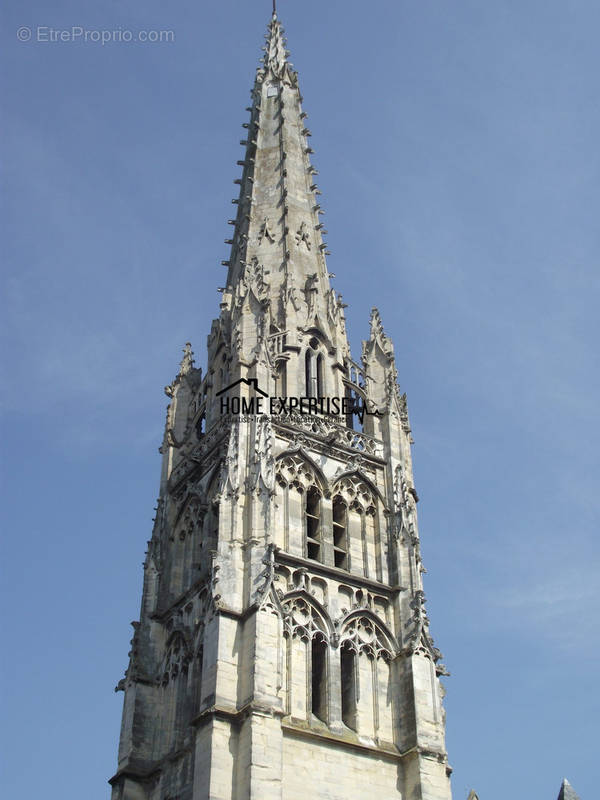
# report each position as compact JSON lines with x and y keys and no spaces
{"x":348,"y":682}
{"x":313,"y":529}
{"x":340,"y":533}
{"x":318,"y":662}
{"x":307,"y":658}
{"x":174,"y":680}
{"x":280,"y":375}
{"x":299,"y":528}
{"x":356,"y":534}
{"x":365,"y":665}
{"x":313,"y":370}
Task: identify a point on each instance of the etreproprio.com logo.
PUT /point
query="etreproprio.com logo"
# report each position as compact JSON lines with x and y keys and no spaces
{"x":261,"y":403}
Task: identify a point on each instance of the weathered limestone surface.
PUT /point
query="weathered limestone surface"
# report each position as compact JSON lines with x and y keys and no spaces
{"x":320,"y":769}
{"x":283,"y":646}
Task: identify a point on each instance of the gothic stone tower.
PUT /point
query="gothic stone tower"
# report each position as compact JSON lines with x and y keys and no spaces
{"x":283,"y":647}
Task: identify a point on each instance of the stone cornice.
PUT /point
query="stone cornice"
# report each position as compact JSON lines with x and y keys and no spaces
{"x":235,"y":715}
{"x":335,"y":573}
{"x":348,"y":739}
{"x":324,"y":444}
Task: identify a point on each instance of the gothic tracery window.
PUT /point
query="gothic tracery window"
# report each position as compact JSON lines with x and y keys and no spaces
{"x":357,"y":545}
{"x":365,"y":664}
{"x":299,"y":528}
{"x":176,"y":658}
{"x":174,"y":680}
{"x":293,"y":470}
{"x":307,"y":646}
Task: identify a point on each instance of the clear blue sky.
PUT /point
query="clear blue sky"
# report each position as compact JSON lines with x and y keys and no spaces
{"x":458,"y":152}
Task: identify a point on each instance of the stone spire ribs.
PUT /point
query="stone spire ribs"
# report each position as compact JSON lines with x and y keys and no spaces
{"x":278,"y":230}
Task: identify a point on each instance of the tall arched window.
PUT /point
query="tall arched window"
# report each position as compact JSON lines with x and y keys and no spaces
{"x":313,"y":524}
{"x":308,"y":372}
{"x":313,"y":370}
{"x":306,"y":632}
{"x":320,"y":384}
{"x":297,"y":526}
{"x":281,"y":379}
{"x":348,"y":680}
{"x":362,"y":540}
{"x":319,"y":678}
{"x":340,"y":533}
{"x":366,"y":651}
{"x":174,"y":680}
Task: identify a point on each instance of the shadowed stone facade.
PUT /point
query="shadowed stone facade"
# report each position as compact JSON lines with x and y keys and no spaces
{"x":283,"y":647}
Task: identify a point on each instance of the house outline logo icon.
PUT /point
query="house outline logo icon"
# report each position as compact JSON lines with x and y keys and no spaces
{"x":254,"y":405}
{"x":252,"y":382}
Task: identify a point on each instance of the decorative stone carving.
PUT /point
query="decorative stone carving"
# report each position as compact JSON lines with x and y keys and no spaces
{"x":253,"y":280}
{"x":268,"y":576}
{"x":214,"y":599}
{"x":340,"y":435}
{"x":405,"y":500}
{"x":404,"y":415}
{"x":420,"y":641}
{"x":290,"y":294}
{"x":265,"y":232}
{"x":293,"y":470}
{"x":276,"y":66}
{"x":209,"y":441}
{"x":392,"y":390}
{"x":264,"y":462}
{"x":302,"y":235}
{"x":304,"y":619}
{"x":230,"y":479}
{"x":187,"y":362}
{"x":177,"y":658}
{"x":310,"y":292}
{"x":378,"y":334}
{"x":355,"y":493}
{"x":365,"y":634}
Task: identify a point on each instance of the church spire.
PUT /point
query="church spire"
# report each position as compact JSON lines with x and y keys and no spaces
{"x":278,"y":226}
{"x":283,"y":614}
{"x":277,"y":298}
